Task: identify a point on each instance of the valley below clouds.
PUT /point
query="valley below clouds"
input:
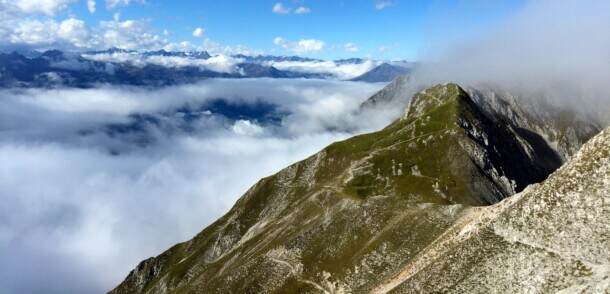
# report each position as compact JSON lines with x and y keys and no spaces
{"x":95,"y":180}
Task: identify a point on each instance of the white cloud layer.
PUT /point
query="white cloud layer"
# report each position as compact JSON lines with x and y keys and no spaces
{"x":556,"y":49}
{"x":217,"y":48}
{"x":341,"y":71}
{"x":76,"y":218}
{"x":218,"y":63}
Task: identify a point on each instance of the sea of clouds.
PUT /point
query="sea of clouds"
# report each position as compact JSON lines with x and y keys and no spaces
{"x":81,"y":206}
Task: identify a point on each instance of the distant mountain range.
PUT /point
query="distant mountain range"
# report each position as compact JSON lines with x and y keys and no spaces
{"x":160,"y":68}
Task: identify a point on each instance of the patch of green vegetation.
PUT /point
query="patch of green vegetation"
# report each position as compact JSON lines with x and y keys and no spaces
{"x":426,"y":141}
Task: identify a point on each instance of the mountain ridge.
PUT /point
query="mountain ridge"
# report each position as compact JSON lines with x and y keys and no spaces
{"x":354,"y":214}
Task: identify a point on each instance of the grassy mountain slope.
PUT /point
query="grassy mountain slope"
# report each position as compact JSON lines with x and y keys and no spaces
{"x":355,"y":214}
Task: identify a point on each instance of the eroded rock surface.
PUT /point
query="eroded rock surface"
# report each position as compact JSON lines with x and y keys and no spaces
{"x":552,"y":238}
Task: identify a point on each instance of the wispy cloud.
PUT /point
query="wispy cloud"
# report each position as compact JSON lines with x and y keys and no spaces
{"x":198,"y":32}
{"x":111,"y":4}
{"x":383,"y":4}
{"x":281,"y":8}
{"x":302,"y":10}
{"x":350,"y":47}
{"x":300,"y":46}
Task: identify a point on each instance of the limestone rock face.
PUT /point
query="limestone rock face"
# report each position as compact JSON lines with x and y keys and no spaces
{"x":369,"y":213}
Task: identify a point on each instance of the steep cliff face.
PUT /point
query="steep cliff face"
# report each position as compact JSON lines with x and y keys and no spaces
{"x":564,"y":129}
{"x":553,"y":237}
{"x":353,"y":216}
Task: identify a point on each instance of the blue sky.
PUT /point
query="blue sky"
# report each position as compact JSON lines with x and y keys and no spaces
{"x":389,"y":29}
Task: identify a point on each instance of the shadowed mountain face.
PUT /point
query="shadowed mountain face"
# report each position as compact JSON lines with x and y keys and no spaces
{"x":356,"y":214}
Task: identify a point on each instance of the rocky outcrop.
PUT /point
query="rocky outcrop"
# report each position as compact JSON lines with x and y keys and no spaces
{"x":552,"y":238}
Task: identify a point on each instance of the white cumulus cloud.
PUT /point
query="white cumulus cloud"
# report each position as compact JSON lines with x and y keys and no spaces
{"x":308,"y":45}
{"x":198,"y":32}
{"x":246,"y":128}
{"x":131,"y":34}
{"x":49,"y":7}
{"x":35,"y":32}
{"x":280,"y":8}
{"x":74,"y":31}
